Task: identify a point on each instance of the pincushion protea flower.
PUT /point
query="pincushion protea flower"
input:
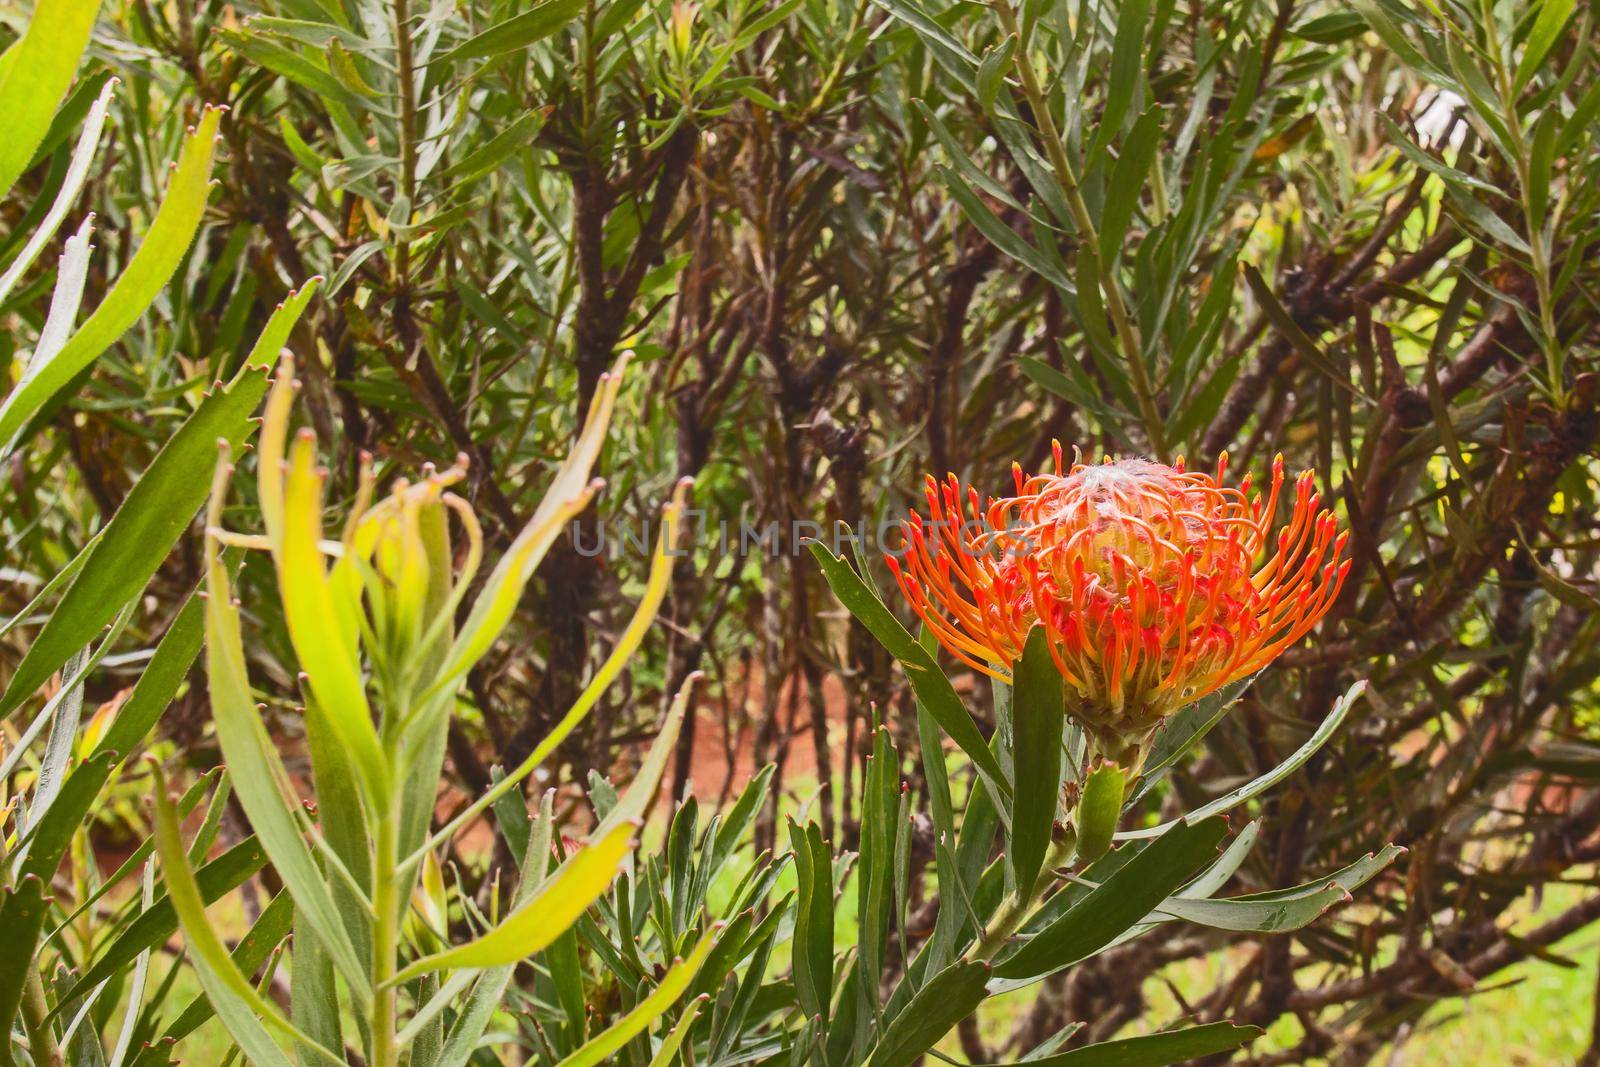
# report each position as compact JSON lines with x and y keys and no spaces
{"x":1156,"y":585}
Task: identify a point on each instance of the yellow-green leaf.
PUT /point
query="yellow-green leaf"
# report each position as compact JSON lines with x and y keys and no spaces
{"x":36,"y":74}
{"x":568,"y":494}
{"x":243,"y":1010}
{"x":147,"y":273}
{"x":545,"y":916}
{"x":327,"y":653}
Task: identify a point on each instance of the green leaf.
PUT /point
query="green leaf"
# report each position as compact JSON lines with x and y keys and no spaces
{"x":1331,"y":29}
{"x":22,"y":912}
{"x":950,"y":996}
{"x":1280,"y":318}
{"x":1039,"y":716}
{"x":34,"y":77}
{"x":1119,"y":902}
{"x":474,"y":1016}
{"x":248,"y":955}
{"x":157,"y":923}
{"x":1397,"y":42}
{"x":1431,"y":163}
{"x":164,"y":246}
{"x":667,"y":1054}
{"x":875,"y":870}
{"x":310,"y":74}
{"x":1071,"y":388}
{"x":1157,"y":1050}
{"x":957,"y":60}
{"x":137,"y":717}
{"x":1547,"y":27}
{"x":136,"y":541}
{"x":541,"y":919}
{"x":1002,"y":236}
{"x":328,"y":651}
{"x":813,"y":923}
{"x":665,"y":994}
{"x":962,"y":161}
{"x":646,"y":784}
{"x":1186,"y":727}
{"x":932,"y":688}
{"x":71,"y":184}
{"x":1318,"y":738}
{"x":568,"y":494}
{"x":262,"y":780}
{"x":1128,"y":182}
{"x":992,"y":72}
{"x":496,"y":150}
{"x":1283,"y":909}
{"x":243,"y":1010}
{"x":313,"y":990}
{"x":516,"y":32}
{"x":1125,"y":76}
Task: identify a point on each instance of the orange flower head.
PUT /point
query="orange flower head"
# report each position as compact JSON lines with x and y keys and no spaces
{"x":1156,"y":585}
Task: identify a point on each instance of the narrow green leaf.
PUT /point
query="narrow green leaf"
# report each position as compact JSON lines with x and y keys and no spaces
{"x":496,"y":150}
{"x":1431,"y":163}
{"x":253,"y":949}
{"x":1128,"y":183}
{"x":135,"y":719}
{"x":947,"y":998}
{"x":328,"y":652}
{"x":1547,"y":27}
{"x":1283,"y":909}
{"x":957,"y":60}
{"x":262,"y":780}
{"x":518,"y":31}
{"x":152,"y":517}
{"x":568,"y":494}
{"x":1126,"y":73}
{"x":993,"y":70}
{"x":1187,"y":726}
{"x":667,"y":1054}
{"x":164,"y":246}
{"x":243,"y":1010}
{"x":646,"y":784}
{"x":665,"y":994}
{"x":959,"y":158}
{"x":813,"y":923}
{"x":310,"y":74}
{"x":1118,"y":902}
{"x":1002,"y":236}
{"x":535,"y":924}
{"x":155,"y":924}
{"x":933,"y":689}
{"x":1285,"y":324}
{"x":22,"y":912}
{"x":1039,"y":715}
{"x":1318,"y":738}
{"x":45,"y":228}
{"x":1157,"y":1050}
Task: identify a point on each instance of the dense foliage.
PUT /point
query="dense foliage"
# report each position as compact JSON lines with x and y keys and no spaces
{"x":846,"y":243}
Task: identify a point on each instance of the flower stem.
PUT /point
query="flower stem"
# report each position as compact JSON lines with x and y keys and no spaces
{"x":385,"y":940}
{"x":1016,"y":907}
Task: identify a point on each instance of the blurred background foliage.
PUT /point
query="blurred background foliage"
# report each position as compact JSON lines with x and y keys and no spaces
{"x":855,"y":240}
